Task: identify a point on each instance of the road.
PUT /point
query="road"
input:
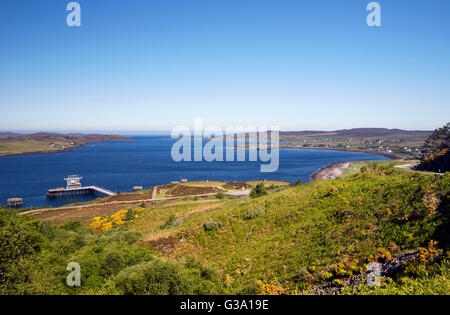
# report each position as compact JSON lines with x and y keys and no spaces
{"x":412,"y":166}
{"x":407,"y":166}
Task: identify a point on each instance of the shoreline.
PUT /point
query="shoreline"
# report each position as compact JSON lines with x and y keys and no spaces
{"x":45,"y":152}
{"x":333,"y":170}
{"x":71,"y":149}
{"x":330,"y":172}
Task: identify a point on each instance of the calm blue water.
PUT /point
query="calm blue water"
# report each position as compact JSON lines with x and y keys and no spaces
{"x":143,"y":162}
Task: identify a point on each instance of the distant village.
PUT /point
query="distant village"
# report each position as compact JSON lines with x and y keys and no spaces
{"x":390,"y":146}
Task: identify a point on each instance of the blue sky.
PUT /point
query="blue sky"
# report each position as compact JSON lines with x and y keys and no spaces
{"x":154,"y":64}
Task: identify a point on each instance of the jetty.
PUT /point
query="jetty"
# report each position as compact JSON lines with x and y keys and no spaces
{"x":75,"y":188}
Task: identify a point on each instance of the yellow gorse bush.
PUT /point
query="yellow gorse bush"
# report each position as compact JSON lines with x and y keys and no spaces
{"x":428,"y":255}
{"x":104,"y":223}
{"x":272,"y":288}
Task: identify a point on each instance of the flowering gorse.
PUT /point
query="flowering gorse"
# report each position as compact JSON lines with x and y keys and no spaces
{"x":104,"y":223}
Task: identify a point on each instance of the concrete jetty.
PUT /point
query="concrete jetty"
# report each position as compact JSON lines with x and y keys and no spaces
{"x":74,"y":188}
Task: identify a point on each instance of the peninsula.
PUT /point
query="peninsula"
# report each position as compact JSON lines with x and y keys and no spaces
{"x":40,"y":143}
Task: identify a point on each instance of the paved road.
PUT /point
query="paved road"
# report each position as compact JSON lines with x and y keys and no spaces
{"x":412,"y":166}
{"x":233,"y":193}
{"x":407,"y":166}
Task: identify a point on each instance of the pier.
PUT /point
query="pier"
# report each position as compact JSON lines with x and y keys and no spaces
{"x":74,"y":188}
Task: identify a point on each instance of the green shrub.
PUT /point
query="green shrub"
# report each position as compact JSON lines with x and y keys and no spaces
{"x":253,"y":214}
{"x":341,"y":270}
{"x":19,"y":237}
{"x":172,"y":222}
{"x":100,"y":261}
{"x":211,"y":226}
{"x":220,"y":195}
{"x":75,"y":226}
{"x":130,"y":214}
{"x":158,"y":277}
{"x":119,"y":236}
{"x":259,"y":191}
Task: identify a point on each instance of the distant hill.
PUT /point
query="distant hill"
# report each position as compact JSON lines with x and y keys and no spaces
{"x":43,"y":142}
{"x":360,"y":132}
{"x":5,"y":135}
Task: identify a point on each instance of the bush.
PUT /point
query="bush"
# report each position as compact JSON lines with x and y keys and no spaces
{"x":112,"y":236}
{"x":75,"y":226}
{"x":220,"y":195}
{"x":130,"y":214}
{"x":254,"y":213}
{"x":172,"y":222}
{"x":158,"y":277}
{"x":259,"y":191}
{"x":100,"y":261}
{"x":19,"y":237}
{"x":211,"y":226}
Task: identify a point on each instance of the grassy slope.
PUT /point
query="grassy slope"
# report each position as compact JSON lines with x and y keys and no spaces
{"x":151,"y":220}
{"x":304,"y":231}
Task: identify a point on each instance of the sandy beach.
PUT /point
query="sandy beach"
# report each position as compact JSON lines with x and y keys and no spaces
{"x":330,"y":172}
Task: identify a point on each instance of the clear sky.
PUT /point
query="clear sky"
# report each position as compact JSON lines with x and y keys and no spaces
{"x":154,"y":64}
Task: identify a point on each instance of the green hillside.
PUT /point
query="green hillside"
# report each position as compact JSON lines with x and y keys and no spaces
{"x":299,"y":235}
{"x":309,"y":239}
